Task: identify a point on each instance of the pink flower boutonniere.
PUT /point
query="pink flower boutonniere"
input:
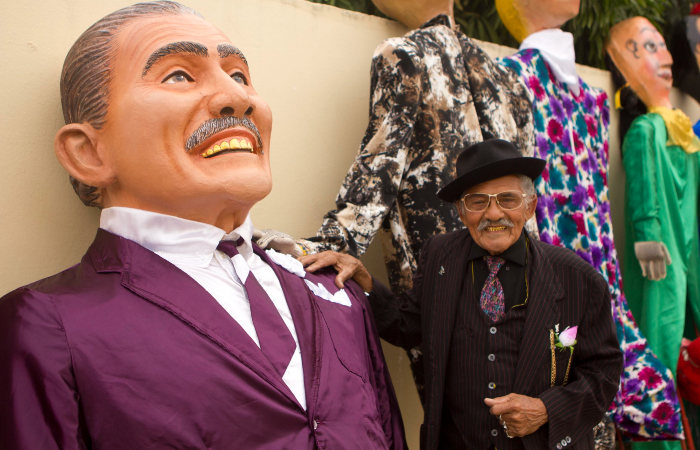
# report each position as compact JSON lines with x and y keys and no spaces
{"x":565,"y":339}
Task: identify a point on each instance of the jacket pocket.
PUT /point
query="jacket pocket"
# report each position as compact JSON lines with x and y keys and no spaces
{"x":562,"y":360}
{"x":344,"y":324}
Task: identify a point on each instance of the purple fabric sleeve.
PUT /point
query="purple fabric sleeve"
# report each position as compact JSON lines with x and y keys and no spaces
{"x":38,"y":398}
{"x":387,"y":404}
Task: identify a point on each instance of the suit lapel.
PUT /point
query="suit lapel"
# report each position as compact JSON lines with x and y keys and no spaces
{"x":542,"y":315}
{"x":305,"y":317}
{"x":153,"y":278}
{"x":443,"y":284}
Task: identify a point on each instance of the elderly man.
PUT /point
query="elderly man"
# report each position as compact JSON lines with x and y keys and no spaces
{"x":517,"y":334}
{"x":175,"y":331}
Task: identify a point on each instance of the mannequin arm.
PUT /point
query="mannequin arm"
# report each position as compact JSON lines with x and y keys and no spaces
{"x":639,"y":158}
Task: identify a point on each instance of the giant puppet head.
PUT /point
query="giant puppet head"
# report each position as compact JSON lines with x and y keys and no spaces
{"x":638,"y":51}
{"x":414,"y":13}
{"x":161,"y":115}
{"x":525,"y":17}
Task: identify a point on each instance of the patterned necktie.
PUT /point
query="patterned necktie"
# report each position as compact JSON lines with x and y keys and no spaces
{"x":276,"y":342}
{"x":492,"y":298}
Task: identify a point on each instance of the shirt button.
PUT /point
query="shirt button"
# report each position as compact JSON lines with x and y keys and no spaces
{"x":559,"y":447}
{"x":563,"y":442}
{"x":494,"y":432}
{"x":507,"y":268}
{"x":493,"y":330}
{"x":492,"y":385}
{"x":492,"y":357}
{"x":315,"y":424}
{"x":568,"y":440}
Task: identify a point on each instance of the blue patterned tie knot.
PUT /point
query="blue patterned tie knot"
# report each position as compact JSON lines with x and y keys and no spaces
{"x":495,"y":263}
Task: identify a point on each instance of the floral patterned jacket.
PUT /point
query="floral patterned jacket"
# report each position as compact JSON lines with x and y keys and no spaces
{"x":433,"y":93}
{"x":573,"y":211}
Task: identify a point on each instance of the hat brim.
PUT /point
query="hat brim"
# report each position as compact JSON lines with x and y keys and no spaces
{"x":531,"y":167}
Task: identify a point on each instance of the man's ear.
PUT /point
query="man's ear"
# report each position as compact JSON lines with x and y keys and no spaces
{"x":531,"y":208}
{"x":75,"y":146}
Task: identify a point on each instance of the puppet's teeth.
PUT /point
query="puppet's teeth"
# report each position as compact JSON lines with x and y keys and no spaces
{"x":210,"y":152}
{"x":225,"y":146}
{"x":216,"y":148}
{"x":235,"y":143}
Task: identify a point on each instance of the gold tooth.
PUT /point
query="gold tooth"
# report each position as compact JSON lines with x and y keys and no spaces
{"x":210,"y":151}
{"x":204,"y":154}
{"x":247,"y":145}
{"x":235,"y":143}
{"x":225,"y":146}
{"x":216,"y":148}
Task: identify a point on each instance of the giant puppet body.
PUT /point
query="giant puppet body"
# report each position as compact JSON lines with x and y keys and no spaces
{"x":434,"y":93}
{"x":573,"y":211}
{"x":157,"y":339}
{"x":660,"y":156}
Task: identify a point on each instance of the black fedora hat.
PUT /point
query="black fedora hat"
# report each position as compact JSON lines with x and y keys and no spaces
{"x":487,"y":160}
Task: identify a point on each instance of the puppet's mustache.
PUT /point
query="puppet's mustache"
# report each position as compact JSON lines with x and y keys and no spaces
{"x":217,"y":124}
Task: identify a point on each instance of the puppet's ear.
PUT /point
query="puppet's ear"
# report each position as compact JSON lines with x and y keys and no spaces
{"x":75,"y":146}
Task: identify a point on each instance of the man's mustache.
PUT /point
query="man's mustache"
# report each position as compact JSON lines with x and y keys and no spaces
{"x":217,"y":124}
{"x":503,"y":222}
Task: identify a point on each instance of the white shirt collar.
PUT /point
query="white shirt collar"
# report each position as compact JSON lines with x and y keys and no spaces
{"x":557,"y":48}
{"x":180,"y":241}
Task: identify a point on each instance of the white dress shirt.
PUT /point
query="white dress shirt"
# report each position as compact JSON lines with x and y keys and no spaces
{"x":191,"y":247}
{"x":557,"y":48}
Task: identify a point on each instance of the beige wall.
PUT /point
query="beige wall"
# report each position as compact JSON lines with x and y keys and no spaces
{"x":310,"y":62}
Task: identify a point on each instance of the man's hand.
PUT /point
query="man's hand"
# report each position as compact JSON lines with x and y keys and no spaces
{"x":346,"y":266}
{"x":521,"y":415}
{"x":653,"y":257}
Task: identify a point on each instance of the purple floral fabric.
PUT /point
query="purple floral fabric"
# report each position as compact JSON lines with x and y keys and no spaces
{"x":492,"y":299}
{"x":573,"y":211}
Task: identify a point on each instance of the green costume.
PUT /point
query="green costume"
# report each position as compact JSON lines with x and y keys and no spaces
{"x":662,"y":206}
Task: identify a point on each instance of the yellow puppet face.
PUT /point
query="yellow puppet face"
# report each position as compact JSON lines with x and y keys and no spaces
{"x":524,"y":17}
{"x":639,"y":52}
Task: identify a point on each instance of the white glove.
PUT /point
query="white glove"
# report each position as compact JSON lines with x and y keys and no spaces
{"x":653,"y":257}
{"x":278,"y":241}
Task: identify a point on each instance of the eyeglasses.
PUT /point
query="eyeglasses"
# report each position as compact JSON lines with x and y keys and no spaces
{"x":508,"y":201}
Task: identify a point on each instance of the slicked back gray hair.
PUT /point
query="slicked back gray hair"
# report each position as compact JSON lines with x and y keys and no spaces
{"x":87,"y":72}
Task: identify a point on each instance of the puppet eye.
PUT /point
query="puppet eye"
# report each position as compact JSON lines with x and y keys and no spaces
{"x":177,"y":77}
{"x":650,"y":46}
{"x":239,"y":78}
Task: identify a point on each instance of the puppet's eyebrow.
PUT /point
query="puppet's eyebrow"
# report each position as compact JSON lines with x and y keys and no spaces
{"x":172,"y":49}
{"x":647,"y":29}
{"x":226,"y":50}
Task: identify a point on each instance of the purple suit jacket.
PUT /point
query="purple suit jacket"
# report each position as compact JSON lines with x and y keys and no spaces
{"x":125,"y":351}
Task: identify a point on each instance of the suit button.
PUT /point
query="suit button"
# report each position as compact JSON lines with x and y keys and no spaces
{"x":494,"y":433}
{"x":492,"y":385}
{"x":315,"y":424}
{"x":563,"y":442}
{"x":559,"y":447}
{"x":492,"y":357}
{"x":493,"y":330}
{"x":568,"y":440}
